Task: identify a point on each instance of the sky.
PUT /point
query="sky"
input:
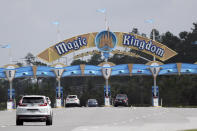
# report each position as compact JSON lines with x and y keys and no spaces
{"x":27,"y":25}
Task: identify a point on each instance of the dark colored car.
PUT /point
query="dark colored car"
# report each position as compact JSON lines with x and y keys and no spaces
{"x":92,"y":103}
{"x":121,"y":100}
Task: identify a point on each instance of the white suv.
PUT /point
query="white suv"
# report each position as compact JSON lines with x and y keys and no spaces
{"x":72,"y":100}
{"x":34,"y":108}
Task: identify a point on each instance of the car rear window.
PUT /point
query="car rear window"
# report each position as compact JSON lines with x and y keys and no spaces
{"x":33,"y":100}
{"x":92,"y":100}
{"x":71,"y":96}
{"x":121,"y":96}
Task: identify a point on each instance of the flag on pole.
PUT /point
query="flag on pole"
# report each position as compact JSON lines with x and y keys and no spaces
{"x":149,"y":21}
{"x":5,"y":46}
{"x":56,"y":23}
{"x":104,"y":12}
{"x":101,"y":10}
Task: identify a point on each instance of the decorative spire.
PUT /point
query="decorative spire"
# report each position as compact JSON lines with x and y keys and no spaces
{"x":106,"y":40}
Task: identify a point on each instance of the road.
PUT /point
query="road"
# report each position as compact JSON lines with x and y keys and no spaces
{"x":109,"y":119}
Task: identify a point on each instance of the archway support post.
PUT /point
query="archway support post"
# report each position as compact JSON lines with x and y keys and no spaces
{"x":10,"y":73}
{"x":59,"y":90}
{"x":155,"y":89}
{"x":106,"y":70}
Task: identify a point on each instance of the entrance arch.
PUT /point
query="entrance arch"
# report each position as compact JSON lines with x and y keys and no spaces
{"x":87,"y":41}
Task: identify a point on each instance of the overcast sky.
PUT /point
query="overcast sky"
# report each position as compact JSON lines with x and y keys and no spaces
{"x":27,"y":24}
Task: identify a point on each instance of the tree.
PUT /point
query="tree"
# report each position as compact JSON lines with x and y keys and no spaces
{"x":29,"y":59}
{"x":19,"y":64}
{"x":170,"y":40}
{"x":193,"y":35}
{"x":38,"y":63}
{"x":95,"y":59}
{"x":78,"y":62}
{"x":184,"y":35}
{"x":135,"y":31}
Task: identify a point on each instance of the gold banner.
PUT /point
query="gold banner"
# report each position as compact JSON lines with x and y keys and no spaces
{"x":145,"y":45}
{"x":126,"y":40}
{"x":68,"y":46}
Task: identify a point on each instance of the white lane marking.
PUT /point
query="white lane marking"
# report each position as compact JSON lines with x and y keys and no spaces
{"x":3,"y":126}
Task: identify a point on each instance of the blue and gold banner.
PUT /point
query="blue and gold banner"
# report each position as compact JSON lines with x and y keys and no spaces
{"x":107,"y":41}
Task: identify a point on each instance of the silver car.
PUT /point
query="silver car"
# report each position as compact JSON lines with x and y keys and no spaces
{"x":34,"y":108}
{"x":72,"y":100}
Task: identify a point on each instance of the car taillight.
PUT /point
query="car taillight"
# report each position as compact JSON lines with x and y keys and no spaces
{"x":45,"y":104}
{"x":75,"y":98}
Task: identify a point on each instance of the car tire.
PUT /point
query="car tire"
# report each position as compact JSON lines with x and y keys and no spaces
{"x":19,"y":122}
{"x":49,"y":121}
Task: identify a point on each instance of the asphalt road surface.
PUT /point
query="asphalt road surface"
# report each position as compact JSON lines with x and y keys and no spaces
{"x":109,"y":119}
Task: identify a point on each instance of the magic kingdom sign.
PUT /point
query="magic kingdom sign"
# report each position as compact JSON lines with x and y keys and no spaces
{"x":107,"y":41}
